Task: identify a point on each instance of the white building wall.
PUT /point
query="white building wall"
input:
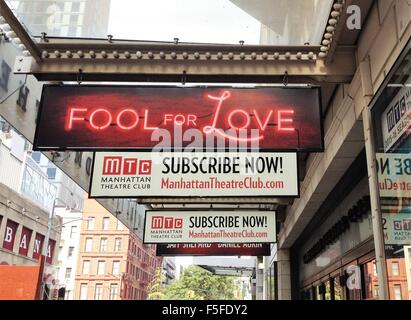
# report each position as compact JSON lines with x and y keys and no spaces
{"x":70,"y":219}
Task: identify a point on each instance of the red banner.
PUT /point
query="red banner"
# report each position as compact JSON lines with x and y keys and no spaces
{"x":214,"y":249}
{"x":25,"y":241}
{"x":10,"y":235}
{"x":50,"y":251}
{"x":38,"y":246}
{"x":126,"y":117}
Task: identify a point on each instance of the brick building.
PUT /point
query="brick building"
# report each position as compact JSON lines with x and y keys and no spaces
{"x":113,"y":262}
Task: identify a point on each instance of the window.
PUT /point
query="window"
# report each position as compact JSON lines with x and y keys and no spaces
{"x":89,"y":245}
{"x":90,"y":223}
{"x":83,"y":291}
{"x":116,"y":267}
{"x":98,"y":295}
{"x":68,"y":273}
{"x":397,"y":292}
{"x":51,"y":173}
{"x":86,"y":267}
{"x":70,"y":252}
{"x":75,"y":7}
{"x":395,"y":269}
{"x":375,"y":268}
{"x":376,"y":292}
{"x":117,"y":245}
{"x":73,"y":231}
{"x":113,"y":292}
{"x":103,"y":244}
{"x":106,"y":223}
{"x":36,"y":156}
{"x":120,"y":226}
{"x":101,"y":267}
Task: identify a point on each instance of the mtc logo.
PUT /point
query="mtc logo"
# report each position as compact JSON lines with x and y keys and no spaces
{"x":160,"y":222}
{"x":117,"y":165}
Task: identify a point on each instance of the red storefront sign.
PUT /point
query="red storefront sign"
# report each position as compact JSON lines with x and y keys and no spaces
{"x":25,"y":241}
{"x":38,"y":246}
{"x":10,"y":235}
{"x":126,"y":117}
{"x":214,"y":249}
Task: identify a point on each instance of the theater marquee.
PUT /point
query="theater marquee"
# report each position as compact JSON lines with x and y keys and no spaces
{"x":213,"y":249}
{"x":170,"y":118}
{"x":199,"y":174}
{"x":209,"y":227}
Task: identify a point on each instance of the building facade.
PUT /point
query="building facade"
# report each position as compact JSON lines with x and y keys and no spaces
{"x":25,"y":204}
{"x":168,"y":270}
{"x":347,"y":237}
{"x":68,"y":250}
{"x":77,"y":18}
{"x":113,"y":263}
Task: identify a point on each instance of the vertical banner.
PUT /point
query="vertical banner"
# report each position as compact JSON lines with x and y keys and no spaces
{"x":25,"y":241}
{"x":50,"y":251}
{"x":210,"y":227}
{"x":10,"y":235}
{"x":38,"y":245}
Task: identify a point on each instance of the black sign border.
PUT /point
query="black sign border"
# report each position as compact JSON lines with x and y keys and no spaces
{"x":196,"y":197}
{"x":213,"y":254}
{"x":36,"y":146}
{"x":211,"y":210}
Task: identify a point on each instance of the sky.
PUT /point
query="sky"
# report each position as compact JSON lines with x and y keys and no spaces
{"x":212,"y":21}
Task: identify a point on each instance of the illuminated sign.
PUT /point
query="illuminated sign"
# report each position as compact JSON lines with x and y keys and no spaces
{"x":209,"y":227}
{"x":171,"y":118}
{"x":194,"y":174}
{"x":213,"y":249}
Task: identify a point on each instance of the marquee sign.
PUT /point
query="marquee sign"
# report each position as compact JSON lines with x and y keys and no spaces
{"x":171,"y":118}
{"x":214,"y":249}
{"x":198,"y":174}
{"x":209,"y":227}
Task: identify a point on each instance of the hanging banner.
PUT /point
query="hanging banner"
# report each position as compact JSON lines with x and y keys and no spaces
{"x":394,"y":174}
{"x":10,"y":234}
{"x":172,"y":118}
{"x":154,"y":174}
{"x":214,"y":249}
{"x":396,"y":119}
{"x":209,"y":227}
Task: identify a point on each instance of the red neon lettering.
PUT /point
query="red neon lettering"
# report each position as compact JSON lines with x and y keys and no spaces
{"x":212,"y":128}
{"x":105,"y":125}
{"x":283,"y":120}
{"x":132,"y":125}
{"x":146,"y":127}
{"x":247,"y":118}
{"x":191,"y":120}
{"x":167,"y":117}
{"x":262,"y":125}
{"x":72,"y":118}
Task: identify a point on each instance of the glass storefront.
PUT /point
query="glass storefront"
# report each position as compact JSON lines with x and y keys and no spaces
{"x":391,"y":116}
